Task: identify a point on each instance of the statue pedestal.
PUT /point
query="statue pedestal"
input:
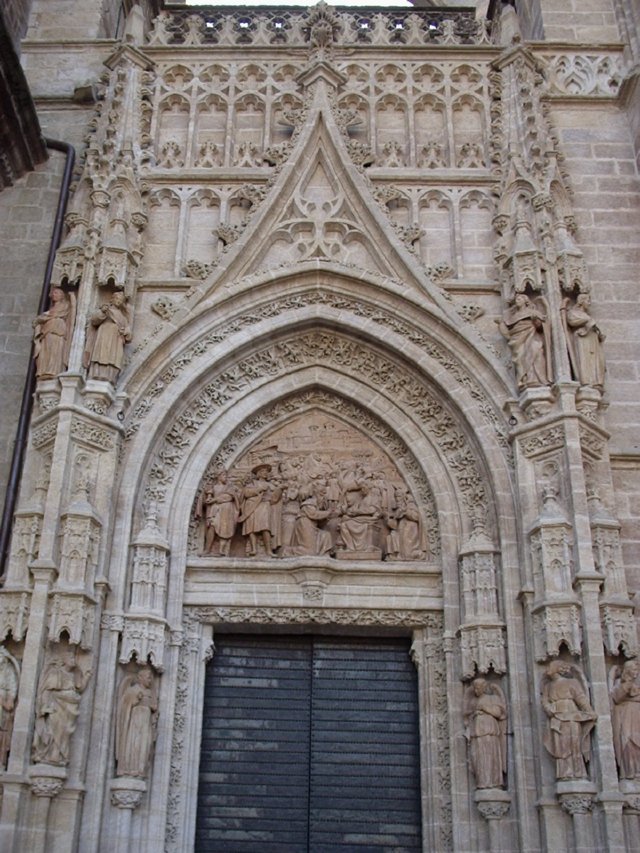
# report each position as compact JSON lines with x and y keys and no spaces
{"x":494,"y":804}
{"x":126,"y":795}
{"x":577,"y":797}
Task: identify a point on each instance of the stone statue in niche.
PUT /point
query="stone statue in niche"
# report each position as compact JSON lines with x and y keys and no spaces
{"x":52,"y":335}
{"x":485,"y":717}
{"x":570,"y":719}
{"x":625,"y":698}
{"x":316,"y":487}
{"x":260,"y":500}
{"x":62,"y":683}
{"x":109,"y":330}
{"x":527,"y":331}
{"x":136,"y":723}
{"x":584,"y":341}
{"x":9,"y":680}
{"x":219,"y":504}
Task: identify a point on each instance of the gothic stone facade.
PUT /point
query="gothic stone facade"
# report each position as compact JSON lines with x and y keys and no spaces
{"x":326,"y":348}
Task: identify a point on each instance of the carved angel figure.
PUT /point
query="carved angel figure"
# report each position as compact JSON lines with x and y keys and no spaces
{"x":109,"y":331}
{"x":625,"y":696}
{"x":9,"y":678}
{"x":485,"y":717}
{"x":58,"y":704}
{"x":52,"y":335}
{"x":584,"y":342}
{"x":527,"y":332}
{"x":136,"y":723}
{"x":571,"y":719}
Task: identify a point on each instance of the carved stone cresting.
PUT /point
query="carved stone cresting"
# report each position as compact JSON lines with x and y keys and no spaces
{"x":313,"y":487}
{"x":319,"y":29}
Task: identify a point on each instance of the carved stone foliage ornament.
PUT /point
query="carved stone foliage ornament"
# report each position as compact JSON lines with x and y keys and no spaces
{"x":485,"y":717}
{"x":571,"y":719}
{"x":314,"y":487}
{"x":64,"y":677}
{"x":328,"y":350}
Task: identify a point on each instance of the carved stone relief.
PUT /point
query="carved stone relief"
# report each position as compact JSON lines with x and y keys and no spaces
{"x":64,"y":676}
{"x":485,"y":717}
{"x":136,"y":722}
{"x":565,"y":701}
{"x":315,"y":487}
{"x":343,"y":419}
{"x":9,"y":680}
{"x":357,"y":307}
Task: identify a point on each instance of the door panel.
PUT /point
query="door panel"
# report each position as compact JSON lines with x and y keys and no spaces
{"x":310,"y":745}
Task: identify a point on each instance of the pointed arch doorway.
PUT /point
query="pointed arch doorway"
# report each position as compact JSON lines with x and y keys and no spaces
{"x":309,"y":743}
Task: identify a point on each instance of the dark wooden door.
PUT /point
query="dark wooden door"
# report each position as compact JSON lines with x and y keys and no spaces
{"x":310,"y":745}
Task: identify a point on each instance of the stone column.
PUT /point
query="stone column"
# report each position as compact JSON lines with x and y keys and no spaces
{"x":494,"y":804}
{"x":126,"y":795}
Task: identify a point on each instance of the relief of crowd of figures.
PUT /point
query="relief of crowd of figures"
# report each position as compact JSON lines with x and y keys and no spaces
{"x":317,"y":487}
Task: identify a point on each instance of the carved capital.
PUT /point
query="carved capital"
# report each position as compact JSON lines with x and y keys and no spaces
{"x":576,"y":803}
{"x":47,"y":780}
{"x":127,"y":792}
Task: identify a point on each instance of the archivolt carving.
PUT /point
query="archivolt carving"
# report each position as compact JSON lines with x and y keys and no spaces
{"x":346,"y":356}
{"x":357,"y":307}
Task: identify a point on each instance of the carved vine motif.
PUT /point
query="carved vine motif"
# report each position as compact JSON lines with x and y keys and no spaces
{"x":310,"y":489}
{"x":344,"y":303}
{"x":350,"y":356}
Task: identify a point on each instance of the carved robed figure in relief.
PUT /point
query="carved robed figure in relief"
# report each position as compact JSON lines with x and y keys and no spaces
{"x":52,"y":335}
{"x":109,"y":330}
{"x":584,"y":342}
{"x":314,"y":487}
{"x":526,"y":328}
{"x":62,"y":683}
{"x":570,"y":719}
{"x":485,"y":717}
{"x":136,"y":723}
{"x":625,"y":699}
